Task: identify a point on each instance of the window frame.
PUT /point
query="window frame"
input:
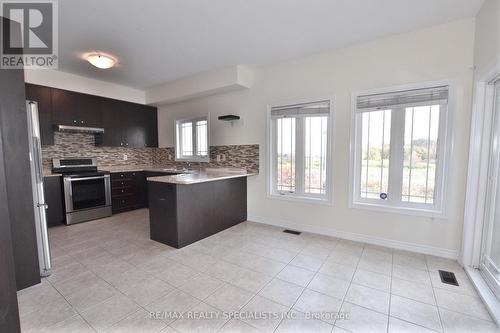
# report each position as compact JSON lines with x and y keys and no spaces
{"x":438,"y":209}
{"x":326,"y":199}
{"x":178,"y":144}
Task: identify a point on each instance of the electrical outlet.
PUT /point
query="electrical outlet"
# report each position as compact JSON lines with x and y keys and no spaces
{"x":125,"y":157}
{"x":218,"y":158}
{"x":223,"y":157}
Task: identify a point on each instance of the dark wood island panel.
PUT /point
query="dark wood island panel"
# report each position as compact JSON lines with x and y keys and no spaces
{"x":181,"y":214}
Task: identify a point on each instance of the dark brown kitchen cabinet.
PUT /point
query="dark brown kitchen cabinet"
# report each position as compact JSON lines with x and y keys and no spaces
{"x":128,"y":191}
{"x":180,"y":214}
{"x":43,"y":96}
{"x":113,"y":124}
{"x":128,"y":125}
{"x":125,"y":124}
{"x":152,"y":125}
{"x":148,"y":174}
{"x":76,"y":109}
{"x":52,"y":189}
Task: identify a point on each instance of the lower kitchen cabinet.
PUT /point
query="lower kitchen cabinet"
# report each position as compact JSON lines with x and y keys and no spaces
{"x":181,"y":214}
{"x":52,"y":189}
{"x":128,"y":191}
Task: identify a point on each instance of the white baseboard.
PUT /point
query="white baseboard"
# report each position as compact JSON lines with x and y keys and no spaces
{"x":435,"y":251}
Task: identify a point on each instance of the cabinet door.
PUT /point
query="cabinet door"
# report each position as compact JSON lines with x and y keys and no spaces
{"x":52,"y":188}
{"x":152,"y":127}
{"x":139,"y":180}
{"x":42,"y":95}
{"x":128,"y":124}
{"x":136,"y":125}
{"x":113,"y":123}
{"x":76,"y":109}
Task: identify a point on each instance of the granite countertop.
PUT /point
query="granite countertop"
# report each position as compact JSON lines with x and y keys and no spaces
{"x":132,"y":168}
{"x":127,"y":168}
{"x":205,"y":175}
{"x":184,"y":176}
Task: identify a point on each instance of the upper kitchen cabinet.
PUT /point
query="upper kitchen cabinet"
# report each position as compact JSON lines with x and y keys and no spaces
{"x":128,"y":125}
{"x":42,"y":95}
{"x":125,"y":124}
{"x":76,"y":109}
{"x":148,"y":119}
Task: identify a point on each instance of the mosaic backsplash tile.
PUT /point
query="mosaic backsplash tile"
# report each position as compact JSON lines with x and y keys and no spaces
{"x":83,"y":145}
{"x":235,"y":156}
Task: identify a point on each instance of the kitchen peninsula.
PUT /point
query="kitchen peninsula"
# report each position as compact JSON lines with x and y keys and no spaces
{"x":186,"y":208}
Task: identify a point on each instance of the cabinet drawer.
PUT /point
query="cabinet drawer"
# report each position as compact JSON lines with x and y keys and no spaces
{"x":121,"y":175}
{"x":125,"y":175}
{"x":123,"y":191}
{"x":125,"y":202}
{"x":120,"y":183}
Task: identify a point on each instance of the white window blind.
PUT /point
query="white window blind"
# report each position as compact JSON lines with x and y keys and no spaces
{"x":301,"y":109}
{"x":435,"y":95}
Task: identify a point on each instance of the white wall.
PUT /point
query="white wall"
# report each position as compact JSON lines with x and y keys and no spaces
{"x":204,"y":84}
{"x":487,"y":67}
{"x":442,"y":52}
{"x":487,"y":37}
{"x":68,"y":81}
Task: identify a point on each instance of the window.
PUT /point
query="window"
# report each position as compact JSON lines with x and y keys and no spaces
{"x":191,"y":139}
{"x":400,"y":149}
{"x":299,"y":148}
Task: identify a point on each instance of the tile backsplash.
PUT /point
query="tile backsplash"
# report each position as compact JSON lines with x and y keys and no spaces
{"x":235,"y":156}
{"x":83,"y":145}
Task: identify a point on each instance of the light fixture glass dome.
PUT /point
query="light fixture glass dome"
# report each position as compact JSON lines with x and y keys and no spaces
{"x":101,"y":60}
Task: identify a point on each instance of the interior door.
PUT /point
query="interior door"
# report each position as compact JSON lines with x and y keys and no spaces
{"x":490,"y":256}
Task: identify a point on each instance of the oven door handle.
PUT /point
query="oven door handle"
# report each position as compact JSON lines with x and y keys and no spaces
{"x":87,"y":178}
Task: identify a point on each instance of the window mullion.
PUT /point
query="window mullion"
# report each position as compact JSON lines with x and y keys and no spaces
{"x":358,"y":144}
{"x":274,"y":155}
{"x":396,"y":155}
{"x":194,"y":136}
{"x":441,"y":156}
{"x":178,"y":140}
{"x":299,"y":155}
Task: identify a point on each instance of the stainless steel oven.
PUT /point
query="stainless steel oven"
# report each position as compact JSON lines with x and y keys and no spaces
{"x":87,"y":192}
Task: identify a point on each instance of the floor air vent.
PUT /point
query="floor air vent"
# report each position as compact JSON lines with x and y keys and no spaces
{"x":293,"y":232}
{"x":448,"y":277}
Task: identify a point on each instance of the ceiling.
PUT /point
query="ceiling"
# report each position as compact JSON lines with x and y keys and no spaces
{"x":157,"y":41}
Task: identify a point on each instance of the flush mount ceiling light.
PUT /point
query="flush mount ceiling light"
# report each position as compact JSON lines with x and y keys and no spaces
{"x":100,"y":60}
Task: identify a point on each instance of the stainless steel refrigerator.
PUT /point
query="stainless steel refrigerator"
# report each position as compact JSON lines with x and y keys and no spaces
{"x":39,"y":204}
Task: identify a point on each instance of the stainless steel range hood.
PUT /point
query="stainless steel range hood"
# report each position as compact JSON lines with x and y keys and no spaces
{"x":79,"y":129}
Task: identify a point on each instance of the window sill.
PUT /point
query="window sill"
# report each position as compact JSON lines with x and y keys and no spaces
{"x":398,"y":210}
{"x":303,"y":199}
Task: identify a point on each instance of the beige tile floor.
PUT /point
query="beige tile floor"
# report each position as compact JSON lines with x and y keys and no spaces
{"x":109,"y":277}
